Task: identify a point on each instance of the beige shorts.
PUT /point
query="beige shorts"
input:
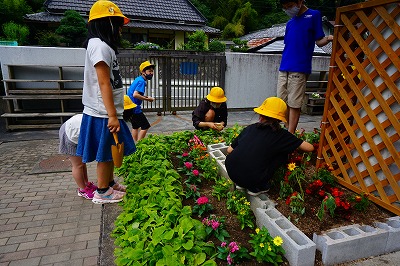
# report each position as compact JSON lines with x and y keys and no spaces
{"x":291,"y":88}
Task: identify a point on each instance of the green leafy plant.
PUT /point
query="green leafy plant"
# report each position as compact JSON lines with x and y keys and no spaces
{"x":222,"y":187}
{"x":361,"y":203}
{"x":192,"y":191}
{"x":266,"y":248}
{"x":232,"y":253}
{"x":202,"y":206}
{"x":15,"y":32}
{"x":238,"y":203}
{"x":328,"y":204}
{"x":196,"y":41}
{"x":215,"y":226}
{"x":216,"y":46}
{"x":193,"y":177}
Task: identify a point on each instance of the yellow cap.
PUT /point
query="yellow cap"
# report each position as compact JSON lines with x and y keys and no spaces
{"x":128,"y":104}
{"x":216,"y":95}
{"x":273,"y":107}
{"x":145,"y":64}
{"x":105,"y":8}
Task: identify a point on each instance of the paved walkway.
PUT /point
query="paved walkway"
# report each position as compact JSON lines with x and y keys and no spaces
{"x":42,"y":220}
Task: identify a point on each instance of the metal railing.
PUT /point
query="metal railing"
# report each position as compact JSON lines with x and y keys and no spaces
{"x":181,"y":79}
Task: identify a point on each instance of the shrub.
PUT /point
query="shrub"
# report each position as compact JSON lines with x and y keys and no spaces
{"x":240,"y":45}
{"x":197,"y":41}
{"x":48,"y":38}
{"x":72,"y":29}
{"x":146,"y":46}
{"x":216,"y":46}
{"x":15,"y":32}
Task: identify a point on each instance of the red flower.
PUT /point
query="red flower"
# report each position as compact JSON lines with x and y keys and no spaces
{"x":202,"y":200}
{"x":318,"y":183}
{"x":345,"y":205}
{"x":308,"y":191}
{"x":188,"y":165}
{"x":195,"y":172}
{"x":336,"y":192}
{"x":337,"y":202}
{"x":288,"y":200}
{"x":321,"y":193}
{"x":358,"y":198}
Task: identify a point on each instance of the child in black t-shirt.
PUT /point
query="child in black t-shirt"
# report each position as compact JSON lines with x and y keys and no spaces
{"x":261,"y":148}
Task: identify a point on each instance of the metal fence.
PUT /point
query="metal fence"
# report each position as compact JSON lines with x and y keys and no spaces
{"x":181,"y":79}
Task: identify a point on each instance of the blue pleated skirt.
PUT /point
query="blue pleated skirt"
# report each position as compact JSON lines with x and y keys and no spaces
{"x":95,"y":139}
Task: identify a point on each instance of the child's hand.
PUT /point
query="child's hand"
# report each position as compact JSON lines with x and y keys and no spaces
{"x":150,"y":99}
{"x":113,"y":124}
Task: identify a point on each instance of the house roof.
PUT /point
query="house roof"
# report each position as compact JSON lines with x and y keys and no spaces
{"x":270,"y":40}
{"x":178,"y":15}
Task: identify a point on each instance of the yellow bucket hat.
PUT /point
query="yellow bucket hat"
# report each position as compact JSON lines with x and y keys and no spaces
{"x":128,"y":104}
{"x":104,"y":8}
{"x":216,"y":95}
{"x":145,"y":64}
{"x":273,"y":107}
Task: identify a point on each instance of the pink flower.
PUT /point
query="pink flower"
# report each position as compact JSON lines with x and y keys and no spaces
{"x":185,"y":154}
{"x":188,"y":165}
{"x":229,"y":259}
{"x":193,"y":187}
{"x":195,"y":172}
{"x":214,"y":224}
{"x":202,"y":200}
{"x":233,"y":247}
{"x":223,"y":244}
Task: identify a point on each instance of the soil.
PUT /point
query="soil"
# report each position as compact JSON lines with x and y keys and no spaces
{"x":307,"y":223}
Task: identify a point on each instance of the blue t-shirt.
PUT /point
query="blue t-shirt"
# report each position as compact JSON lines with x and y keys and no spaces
{"x":300,"y":36}
{"x":139,"y":85}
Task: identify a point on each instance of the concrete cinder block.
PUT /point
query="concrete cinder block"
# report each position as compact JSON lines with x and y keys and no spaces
{"x":262,"y":201}
{"x":392,"y":226}
{"x":362,"y":240}
{"x":222,"y":169}
{"x":299,"y":249}
{"x":217,"y":146}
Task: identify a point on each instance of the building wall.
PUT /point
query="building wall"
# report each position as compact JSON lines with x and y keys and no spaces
{"x":250,"y":78}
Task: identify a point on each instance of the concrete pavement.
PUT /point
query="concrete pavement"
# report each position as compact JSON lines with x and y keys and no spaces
{"x":42,"y":219}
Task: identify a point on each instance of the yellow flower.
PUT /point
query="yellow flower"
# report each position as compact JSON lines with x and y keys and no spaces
{"x":257,"y":230}
{"x":261,"y":245}
{"x":269,"y":248}
{"x":278,"y":241}
{"x":291,"y":166}
{"x":247,"y":203}
{"x":233,"y":197}
{"x":242,"y":212}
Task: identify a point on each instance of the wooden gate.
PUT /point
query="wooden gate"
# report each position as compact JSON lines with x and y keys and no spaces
{"x":361,"y":129}
{"x":181,"y":79}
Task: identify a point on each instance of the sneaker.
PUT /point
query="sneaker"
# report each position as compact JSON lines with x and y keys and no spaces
{"x":91,"y":186}
{"x":110,"y":196}
{"x":85,"y":193}
{"x":257,"y":192}
{"x":239,"y":187}
{"x":119,"y":187}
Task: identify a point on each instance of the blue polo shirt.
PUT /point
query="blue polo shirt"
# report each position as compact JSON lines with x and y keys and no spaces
{"x":300,"y":36}
{"x":139,"y":85}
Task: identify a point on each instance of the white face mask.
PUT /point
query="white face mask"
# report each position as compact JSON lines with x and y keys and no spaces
{"x":292,"y":12}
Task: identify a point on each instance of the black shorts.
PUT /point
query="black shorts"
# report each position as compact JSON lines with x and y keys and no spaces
{"x":139,"y":121}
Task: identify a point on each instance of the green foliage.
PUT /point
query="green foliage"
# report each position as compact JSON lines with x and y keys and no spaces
{"x":125,"y":44}
{"x":216,"y":46}
{"x":233,"y":30}
{"x":361,"y":203}
{"x":238,"y":204}
{"x":15,"y":32}
{"x":215,"y":227}
{"x":232,"y":253}
{"x":247,"y":17}
{"x":222,"y":187}
{"x":72,"y":29}
{"x":240,"y":45}
{"x":219,"y":22}
{"x":14,"y":10}
{"x":266,"y":248}
{"x":325,"y":176}
{"x":48,"y":38}
{"x":328,"y":204}
{"x":196,"y":41}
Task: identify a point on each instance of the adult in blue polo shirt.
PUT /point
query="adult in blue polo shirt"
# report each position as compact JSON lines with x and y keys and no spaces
{"x":303,"y":31}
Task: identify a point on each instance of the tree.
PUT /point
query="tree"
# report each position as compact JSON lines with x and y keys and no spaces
{"x":197,"y":41}
{"x":15,"y":32}
{"x":72,"y":29}
{"x":246,"y":16}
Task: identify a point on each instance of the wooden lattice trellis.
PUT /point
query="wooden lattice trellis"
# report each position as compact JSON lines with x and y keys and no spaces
{"x":360,"y":132}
